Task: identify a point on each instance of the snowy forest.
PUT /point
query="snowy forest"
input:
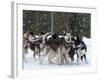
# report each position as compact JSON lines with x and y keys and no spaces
{"x":78,"y":24}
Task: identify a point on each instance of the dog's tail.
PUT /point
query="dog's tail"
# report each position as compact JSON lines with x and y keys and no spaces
{"x":45,"y":37}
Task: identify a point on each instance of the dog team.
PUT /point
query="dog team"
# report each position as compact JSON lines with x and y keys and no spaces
{"x":62,"y":48}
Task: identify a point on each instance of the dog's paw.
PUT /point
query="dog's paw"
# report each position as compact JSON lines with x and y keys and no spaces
{"x":77,"y":63}
{"x":86,"y":62}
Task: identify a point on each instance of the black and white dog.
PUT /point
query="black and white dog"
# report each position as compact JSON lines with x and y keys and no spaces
{"x":34,"y":45}
{"x":80,"y":48}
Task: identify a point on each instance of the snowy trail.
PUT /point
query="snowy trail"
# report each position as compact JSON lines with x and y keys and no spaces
{"x":32,"y":64}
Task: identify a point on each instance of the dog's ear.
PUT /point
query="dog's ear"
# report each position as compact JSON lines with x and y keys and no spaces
{"x":77,"y":38}
{"x":73,"y":38}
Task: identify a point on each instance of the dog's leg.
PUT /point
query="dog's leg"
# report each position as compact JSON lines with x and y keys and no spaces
{"x":72,"y":59}
{"x":25,"y":51}
{"x":51,"y":55}
{"x":78,"y":60}
{"x":58,"y":56}
{"x":43,"y":54}
{"x":34,"y":54}
{"x":62,"y":59}
{"x":83,"y":55}
{"x":67,"y":55}
{"x":65,"y":59}
{"x":42,"y":58}
{"x":82,"y":58}
{"x":78,"y":56}
{"x":39,"y":53}
{"x":24,"y":59}
{"x":50,"y":62}
{"x":85,"y":58}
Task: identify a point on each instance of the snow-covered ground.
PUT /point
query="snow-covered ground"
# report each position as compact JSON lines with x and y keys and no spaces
{"x":32,"y":63}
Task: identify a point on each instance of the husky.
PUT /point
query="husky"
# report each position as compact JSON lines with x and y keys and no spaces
{"x":80,"y":49}
{"x":64,"y":51}
{"x":56,"y":47}
{"x":34,"y":45}
{"x":25,"y":45}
